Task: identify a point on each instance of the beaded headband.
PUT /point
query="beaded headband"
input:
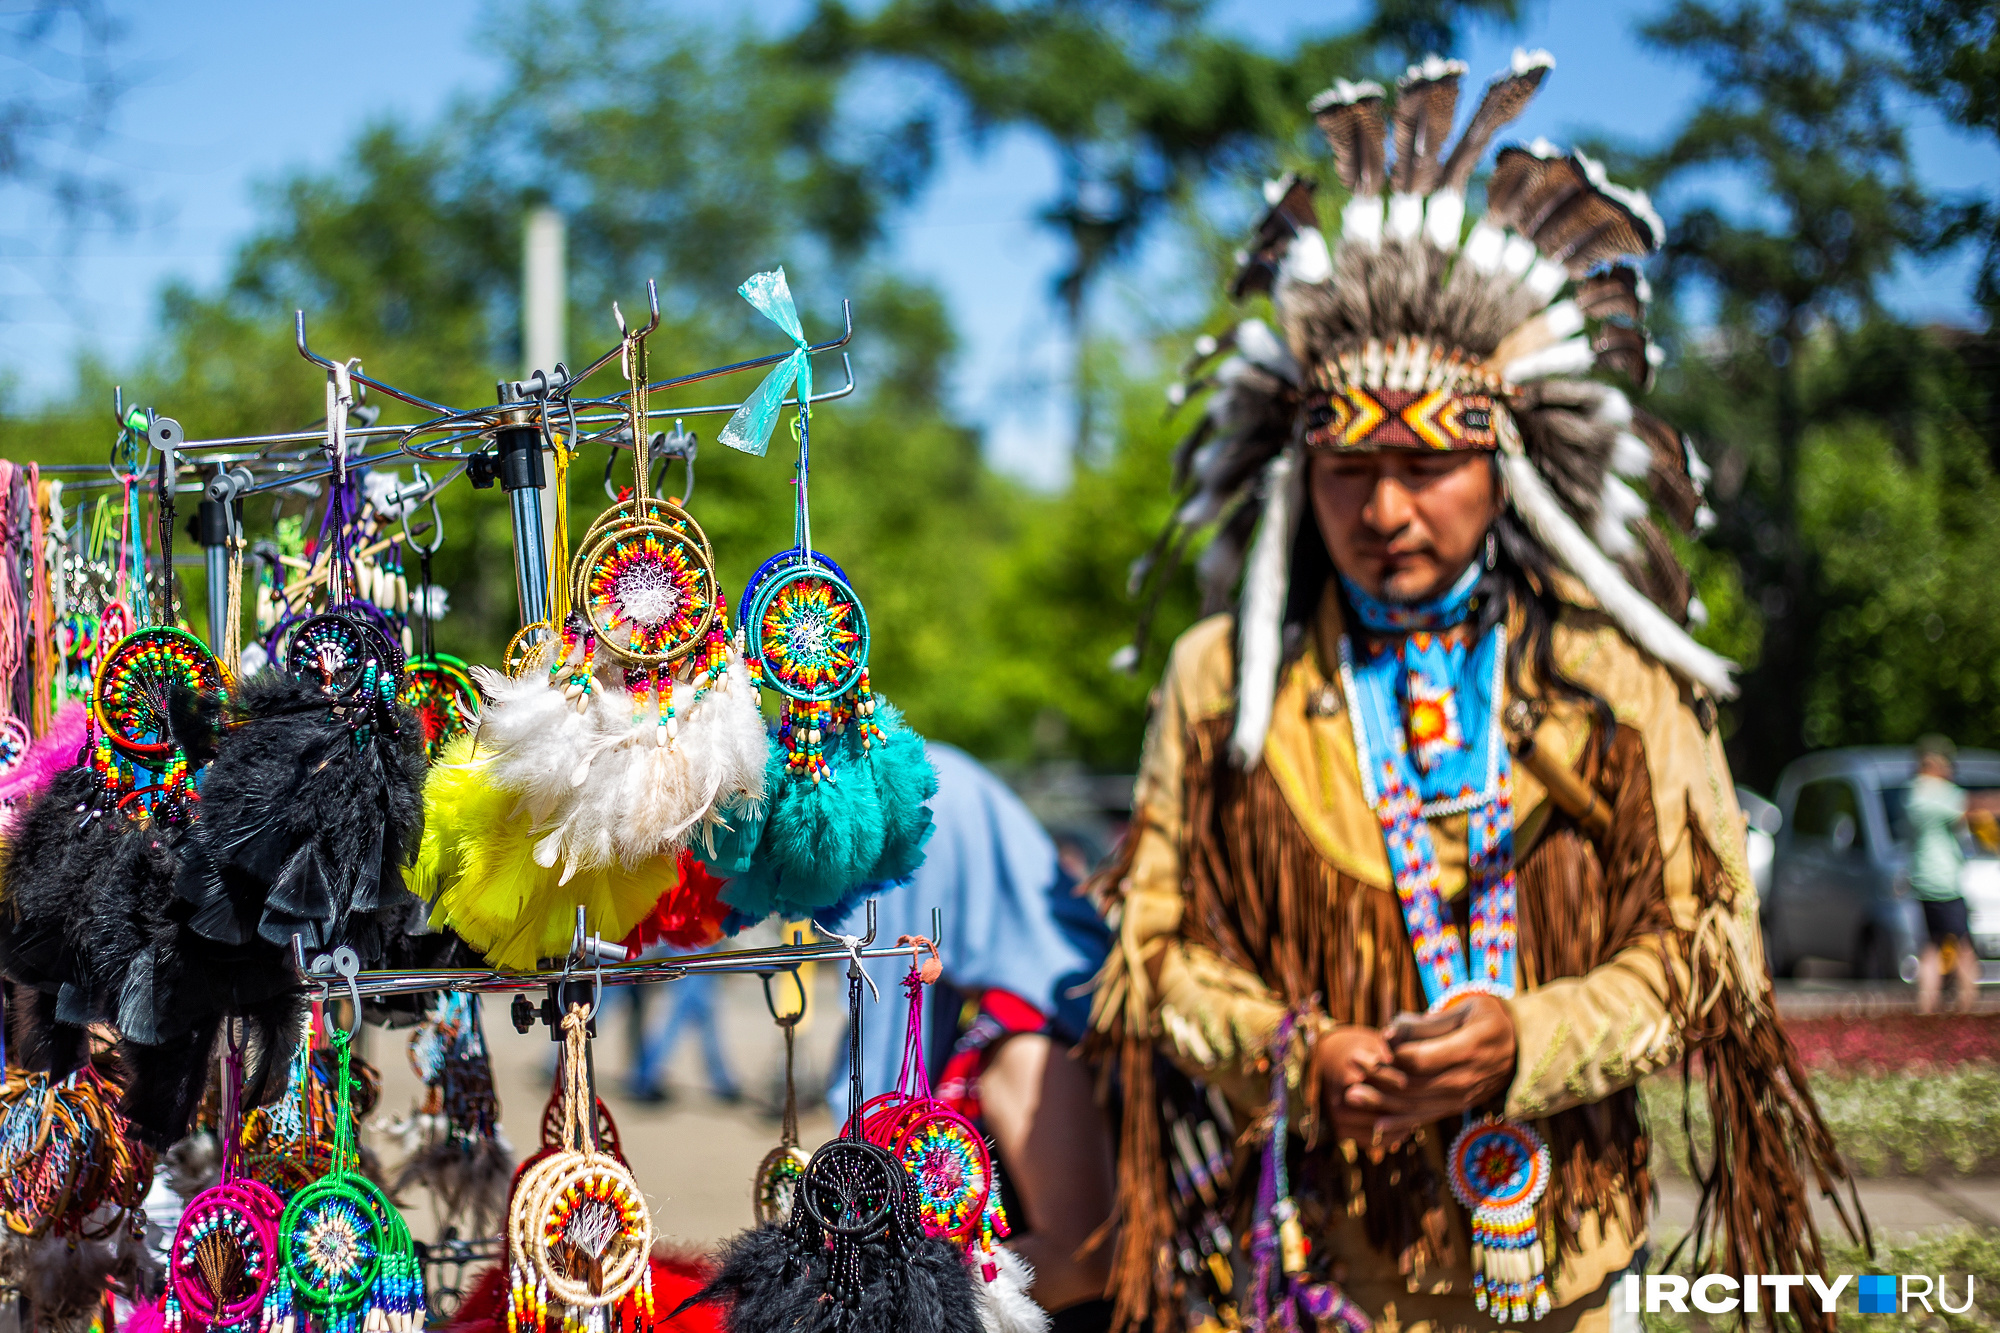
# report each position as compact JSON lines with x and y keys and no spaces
{"x":1410,"y":394}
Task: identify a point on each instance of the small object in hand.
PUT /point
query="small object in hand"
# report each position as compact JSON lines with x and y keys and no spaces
{"x":1408,"y":1027}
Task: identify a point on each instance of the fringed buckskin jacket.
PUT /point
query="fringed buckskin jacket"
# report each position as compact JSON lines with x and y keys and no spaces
{"x":1240,"y":895}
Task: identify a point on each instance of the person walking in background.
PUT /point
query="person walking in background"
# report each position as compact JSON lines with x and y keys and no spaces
{"x":1936,"y":814}
{"x":694,"y":998}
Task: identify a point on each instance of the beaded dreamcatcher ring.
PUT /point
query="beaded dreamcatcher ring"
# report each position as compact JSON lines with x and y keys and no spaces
{"x":343,"y":1249}
{"x":130,"y":702}
{"x":950,"y":1171}
{"x":439,"y":690}
{"x":578,"y":1229}
{"x":648,"y":591}
{"x":850,"y":1188}
{"x":339,"y":649}
{"x":807,"y":630}
{"x":224,"y":1255}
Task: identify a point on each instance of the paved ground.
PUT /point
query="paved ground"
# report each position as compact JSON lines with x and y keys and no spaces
{"x":695,"y":1154}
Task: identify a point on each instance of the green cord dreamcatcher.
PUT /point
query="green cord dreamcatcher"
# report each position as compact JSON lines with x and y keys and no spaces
{"x":345,"y":1256}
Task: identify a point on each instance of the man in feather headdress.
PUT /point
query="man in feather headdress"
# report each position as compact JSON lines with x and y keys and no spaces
{"x":1434,"y":834}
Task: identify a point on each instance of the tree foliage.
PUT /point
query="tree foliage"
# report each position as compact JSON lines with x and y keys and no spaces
{"x":1854,"y":566}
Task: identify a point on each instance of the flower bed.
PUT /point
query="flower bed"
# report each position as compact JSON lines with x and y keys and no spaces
{"x":1904,"y":1095}
{"x":1896,"y":1041}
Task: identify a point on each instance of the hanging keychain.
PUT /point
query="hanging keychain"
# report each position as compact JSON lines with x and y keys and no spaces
{"x":579,"y":1232}
{"x":777,"y":1180}
{"x":224,"y":1254}
{"x":849,"y":784}
{"x":345,"y":1254}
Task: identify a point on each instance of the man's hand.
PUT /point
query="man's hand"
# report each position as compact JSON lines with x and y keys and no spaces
{"x":1343,"y":1058}
{"x":1425,"y":1081}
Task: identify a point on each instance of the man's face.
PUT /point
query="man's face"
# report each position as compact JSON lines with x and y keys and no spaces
{"x":1935,"y":765}
{"x":1403,"y":523}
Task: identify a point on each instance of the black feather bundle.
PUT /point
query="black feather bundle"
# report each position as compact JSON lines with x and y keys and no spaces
{"x":85,"y":884}
{"x":806,"y":1277}
{"x":308,"y":814}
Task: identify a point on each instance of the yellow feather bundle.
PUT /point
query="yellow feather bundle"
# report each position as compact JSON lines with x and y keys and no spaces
{"x":477,"y":869}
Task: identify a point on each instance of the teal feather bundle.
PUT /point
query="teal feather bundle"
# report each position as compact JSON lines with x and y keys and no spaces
{"x":865,"y":822}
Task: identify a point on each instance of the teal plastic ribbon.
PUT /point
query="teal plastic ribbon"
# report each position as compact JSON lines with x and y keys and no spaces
{"x":750,"y":429}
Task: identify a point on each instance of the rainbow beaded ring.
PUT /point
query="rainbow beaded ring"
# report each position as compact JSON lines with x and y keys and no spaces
{"x":951,"y":1172}
{"x":807,"y":630}
{"x":439,"y":690}
{"x":647,"y":589}
{"x":132,"y":686}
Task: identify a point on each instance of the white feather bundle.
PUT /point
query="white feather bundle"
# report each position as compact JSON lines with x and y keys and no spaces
{"x":1004,"y":1303}
{"x":1263,"y":348}
{"x":1361,"y":221}
{"x":1644,"y":622}
{"x":1572,"y":356}
{"x":534,"y":737}
{"x":1562,"y":320}
{"x":1260,"y":628}
{"x":1485,"y":246}
{"x":1630,"y":455}
{"x":1306,"y":259}
{"x":641,"y":798}
{"x":1406,"y":216}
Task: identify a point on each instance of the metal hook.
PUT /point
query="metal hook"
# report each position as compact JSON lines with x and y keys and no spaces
{"x":772,"y":1005}
{"x":437,"y":515}
{"x":345,"y":963}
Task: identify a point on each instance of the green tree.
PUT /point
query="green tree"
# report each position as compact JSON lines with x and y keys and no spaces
{"x":1796,"y":113}
{"x":1953,"y":58}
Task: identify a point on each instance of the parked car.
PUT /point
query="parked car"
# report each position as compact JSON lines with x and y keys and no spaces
{"x":1761,"y":822}
{"x":1840,"y":887}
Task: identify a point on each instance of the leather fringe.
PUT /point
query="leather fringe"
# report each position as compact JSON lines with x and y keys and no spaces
{"x":1755,"y":1215}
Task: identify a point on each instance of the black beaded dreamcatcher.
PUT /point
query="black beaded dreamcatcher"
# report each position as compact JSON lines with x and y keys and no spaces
{"x":853,"y":1256}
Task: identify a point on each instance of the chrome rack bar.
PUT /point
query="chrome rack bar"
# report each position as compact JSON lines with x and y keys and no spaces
{"x":580,"y":970}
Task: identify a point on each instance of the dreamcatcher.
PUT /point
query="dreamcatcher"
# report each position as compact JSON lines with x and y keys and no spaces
{"x":224,"y":1253}
{"x":854,"y":1256}
{"x":460,"y":1158}
{"x":89,"y":870}
{"x":437,"y":687}
{"x":608,"y":748}
{"x":950,"y":1168}
{"x":849,"y":783}
{"x":345,"y":1255}
{"x":151,"y":680}
{"x":490,"y":1306}
{"x":776,"y":1183}
{"x":579,"y":1235}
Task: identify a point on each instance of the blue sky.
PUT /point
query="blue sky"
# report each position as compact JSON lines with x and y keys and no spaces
{"x":233,"y":92}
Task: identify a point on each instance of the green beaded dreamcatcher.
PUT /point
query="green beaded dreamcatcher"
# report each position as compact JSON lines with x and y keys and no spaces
{"x":345,"y":1257}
